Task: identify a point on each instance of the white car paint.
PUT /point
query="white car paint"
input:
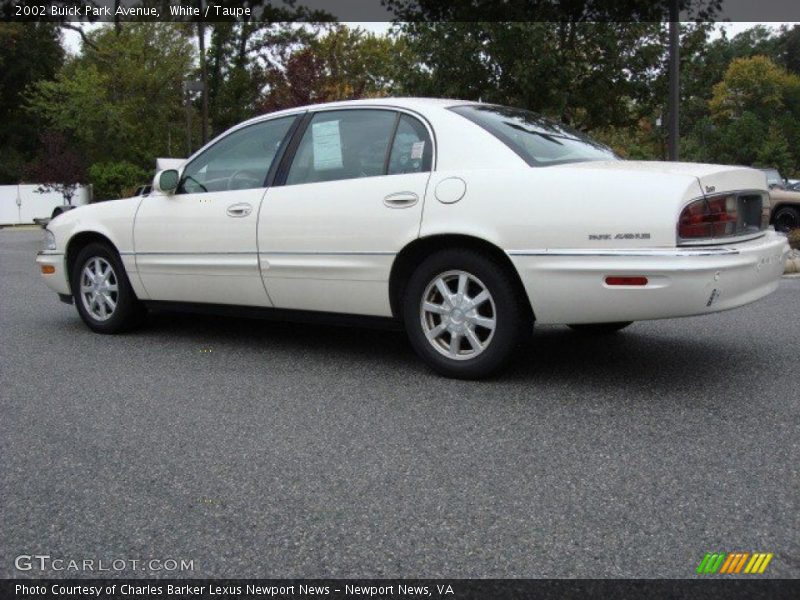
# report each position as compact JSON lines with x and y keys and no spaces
{"x":188,"y":242}
{"x":169,"y":163}
{"x":331,"y":246}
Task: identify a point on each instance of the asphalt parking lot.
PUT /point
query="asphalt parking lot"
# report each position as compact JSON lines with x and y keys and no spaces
{"x":266,"y":449}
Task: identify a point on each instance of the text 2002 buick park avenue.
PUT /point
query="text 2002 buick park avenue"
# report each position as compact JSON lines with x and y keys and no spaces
{"x":467,"y":222}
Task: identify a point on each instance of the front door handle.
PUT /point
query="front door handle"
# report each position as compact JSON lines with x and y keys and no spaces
{"x":401,"y":200}
{"x":239,"y":210}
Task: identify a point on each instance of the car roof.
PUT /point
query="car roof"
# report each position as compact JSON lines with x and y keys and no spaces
{"x":415,"y":104}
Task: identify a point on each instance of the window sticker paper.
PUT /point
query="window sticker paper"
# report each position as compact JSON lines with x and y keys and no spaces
{"x":327,"y":143}
{"x":417,"y":150}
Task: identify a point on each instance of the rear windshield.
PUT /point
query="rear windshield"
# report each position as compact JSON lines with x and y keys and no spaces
{"x":538,"y":140}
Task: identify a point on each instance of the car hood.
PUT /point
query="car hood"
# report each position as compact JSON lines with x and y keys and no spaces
{"x":712,"y":178}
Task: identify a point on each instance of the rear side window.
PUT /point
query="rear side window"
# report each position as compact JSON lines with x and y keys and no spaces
{"x":343,"y":144}
{"x":411,"y":150}
{"x":538,"y":140}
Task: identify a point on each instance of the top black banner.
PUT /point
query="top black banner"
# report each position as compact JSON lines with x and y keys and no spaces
{"x":400,"y":10}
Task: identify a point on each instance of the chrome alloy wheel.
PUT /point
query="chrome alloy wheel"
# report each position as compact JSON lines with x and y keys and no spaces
{"x":458,"y":315}
{"x":99,"y":288}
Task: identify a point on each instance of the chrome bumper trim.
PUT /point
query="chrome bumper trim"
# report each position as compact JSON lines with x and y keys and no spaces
{"x":631,"y":252}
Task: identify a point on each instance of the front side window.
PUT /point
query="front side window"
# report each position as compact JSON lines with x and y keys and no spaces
{"x":239,"y":161}
{"x":538,"y":140}
{"x":343,"y":144}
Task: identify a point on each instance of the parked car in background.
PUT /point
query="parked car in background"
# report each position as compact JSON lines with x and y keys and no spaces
{"x":774,"y":178}
{"x":465,"y":222}
{"x":784,"y":209}
{"x":61,"y":209}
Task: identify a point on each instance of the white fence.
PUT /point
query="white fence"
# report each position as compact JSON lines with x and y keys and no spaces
{"x":21,"y":204}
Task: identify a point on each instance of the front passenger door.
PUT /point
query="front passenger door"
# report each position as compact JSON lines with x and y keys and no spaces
{"x":199,"y":244}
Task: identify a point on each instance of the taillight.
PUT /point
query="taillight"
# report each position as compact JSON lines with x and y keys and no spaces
{"x":709,"y":217}
{"x":616,"y":280}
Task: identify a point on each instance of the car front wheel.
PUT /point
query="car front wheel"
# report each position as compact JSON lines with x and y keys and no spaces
{"x":464,"y":314}
{"x":103,"y":295}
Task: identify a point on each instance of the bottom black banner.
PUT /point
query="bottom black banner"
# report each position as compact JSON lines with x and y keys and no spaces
{"x":399,"y":589}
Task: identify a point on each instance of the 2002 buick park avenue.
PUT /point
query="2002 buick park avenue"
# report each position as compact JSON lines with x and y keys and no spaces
{"x":466,"y":222}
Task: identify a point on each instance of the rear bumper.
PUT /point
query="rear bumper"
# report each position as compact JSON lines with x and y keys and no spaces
{"x":568,"y":286}
{"x":57,"y":280}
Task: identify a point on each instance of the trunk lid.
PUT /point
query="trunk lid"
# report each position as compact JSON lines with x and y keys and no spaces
{"x":712,"y":178}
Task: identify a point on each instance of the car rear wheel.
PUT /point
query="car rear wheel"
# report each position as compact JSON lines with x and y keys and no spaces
{"x":103,"y":295}
{"x":464,"y":315}
{"x":786,"y":218}
{"x":599,"y":328}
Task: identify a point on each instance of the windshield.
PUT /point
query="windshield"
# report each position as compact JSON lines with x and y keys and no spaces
{"x":538,"y":140}
{"x":773,"y":176}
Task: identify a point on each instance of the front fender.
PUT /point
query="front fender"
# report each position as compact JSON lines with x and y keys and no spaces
{"x":112,"y":220}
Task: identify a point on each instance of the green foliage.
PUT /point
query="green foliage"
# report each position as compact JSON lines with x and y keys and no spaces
{"x":235,"y":76}
{"x":640,"y":142}
{"x":121,"y":103}
{"x":755,"y":85}
{"x":791,"y":49}
{"x":29,"y":53}
{"x":587,"y":74}
{"x":121,"y":99}
{"x":112,"y":180}
{"x":753,"y":115}
{"x":775,"y":151}
{"x":340,"y":63}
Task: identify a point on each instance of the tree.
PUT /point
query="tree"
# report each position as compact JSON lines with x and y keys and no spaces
{"x":754,"y":113}
{"x":239,"y":59}
{"x":775,"y":151}
{"x":116,"y":179}
{"x":122,"y":98}
{"x":343,"y":63}
{"x":585,"y":74}
{"x":58,"y":167}
{"x":554,"y":11}
{"x":29,"y":53}
{"x":242,"y":53}
{"x":755,"y":85}
{"x":791,"y":44}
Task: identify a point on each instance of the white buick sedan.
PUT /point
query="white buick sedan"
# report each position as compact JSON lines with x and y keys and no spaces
{"x":466,"y":222}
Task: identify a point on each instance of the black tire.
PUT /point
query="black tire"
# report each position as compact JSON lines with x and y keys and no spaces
{"x":128,"y":311}
{"x":786,"y":218}
{"x":600,"y":328}
{"x":508,"y":308}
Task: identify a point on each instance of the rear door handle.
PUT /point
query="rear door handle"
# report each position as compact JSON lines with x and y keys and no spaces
{"x":401,"y":200}
{"x":239,"y":210}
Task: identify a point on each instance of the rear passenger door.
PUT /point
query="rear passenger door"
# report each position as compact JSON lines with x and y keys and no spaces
{"x":347,"y":198}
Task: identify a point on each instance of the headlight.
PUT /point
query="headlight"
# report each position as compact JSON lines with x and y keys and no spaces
{"x":49,"y":240}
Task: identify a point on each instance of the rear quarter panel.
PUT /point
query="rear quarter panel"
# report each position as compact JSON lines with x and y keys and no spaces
{"x":556,"y":207}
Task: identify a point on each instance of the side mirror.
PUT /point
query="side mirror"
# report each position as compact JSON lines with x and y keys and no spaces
{"x":166,"y":181}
